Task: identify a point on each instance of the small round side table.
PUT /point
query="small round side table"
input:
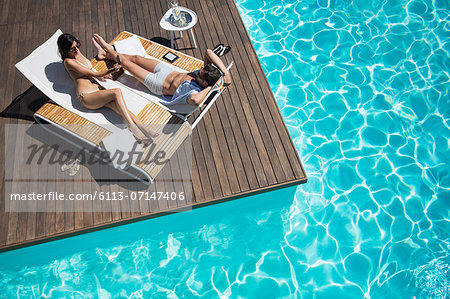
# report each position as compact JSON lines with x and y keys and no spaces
{"x":166,"y":24}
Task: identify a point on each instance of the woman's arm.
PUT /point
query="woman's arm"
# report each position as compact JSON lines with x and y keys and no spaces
{"x":72,"y":64}
{"x":211,"y":57}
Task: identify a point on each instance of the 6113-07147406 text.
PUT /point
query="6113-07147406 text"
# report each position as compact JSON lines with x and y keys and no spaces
{"x":135,"y":195}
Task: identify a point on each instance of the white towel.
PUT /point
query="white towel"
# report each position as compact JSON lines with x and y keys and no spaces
{"x":130,"y":46}
{"x":122,"y":148}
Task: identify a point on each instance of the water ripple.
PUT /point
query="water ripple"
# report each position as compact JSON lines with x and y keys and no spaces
{"x":363,"y":87}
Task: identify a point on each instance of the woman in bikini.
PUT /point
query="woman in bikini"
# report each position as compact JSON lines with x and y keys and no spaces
{"x":90,"y":93}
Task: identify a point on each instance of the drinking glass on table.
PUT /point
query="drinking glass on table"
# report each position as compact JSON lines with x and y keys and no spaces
{"x":183,"y":19}
{"x":175,"y":10}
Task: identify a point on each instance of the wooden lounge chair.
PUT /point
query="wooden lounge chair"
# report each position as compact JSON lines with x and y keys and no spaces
{"x":87,"y":129}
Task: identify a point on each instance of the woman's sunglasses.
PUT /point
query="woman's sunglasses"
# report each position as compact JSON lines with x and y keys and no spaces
{"x":74,"y":49}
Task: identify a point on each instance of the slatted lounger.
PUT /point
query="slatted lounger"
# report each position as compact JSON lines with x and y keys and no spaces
{"x":45,"y":70}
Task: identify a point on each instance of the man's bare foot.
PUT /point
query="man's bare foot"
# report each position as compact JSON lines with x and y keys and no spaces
{"x":101,"y":54}
{"x":109,"y":51}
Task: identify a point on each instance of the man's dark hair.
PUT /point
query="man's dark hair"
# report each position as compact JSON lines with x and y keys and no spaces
{"x":211,"y":74}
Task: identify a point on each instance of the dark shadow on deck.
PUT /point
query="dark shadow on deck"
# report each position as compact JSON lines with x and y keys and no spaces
{"x":25,"y":104}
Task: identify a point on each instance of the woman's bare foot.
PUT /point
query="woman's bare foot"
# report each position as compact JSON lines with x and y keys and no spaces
{"x":109,"y":52}
{"x":101,"y":53}
{"x":138,"y":134}
{"x":147,"y":132}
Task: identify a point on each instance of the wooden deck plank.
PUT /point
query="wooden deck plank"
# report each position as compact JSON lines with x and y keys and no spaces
{"x":13,"y":222}
{"x":91,"y":28}
{"x":120,"y":18}
{"x":261,"y":93}
{"x":5,"y":12}
{"x":135,"y":16}
{"x":59,"y":207}
{"x":254,"y":117}
{"x":108,"y":207}
{"x":5,"y":47}
{"x":12,"y":87}
{"x":251,"y":120}
{"x":151,"y":15}
{"x":140,"y":16}
{"x":147,"y":26}
{"x":205,"y":183}
{"x":234,"y":165}
{"x":86,"y":187}
{"x":255,"y":93}
{"x":23,"y":217}
{"x":252,"y":163}
{"x":208,"y":149}
{"x":184,"y":155}
{"x":215,"y":136}
{"x":4,"y":217}
{"x":32,"y":9}
{"x":197,"y":187}
{"x":241,"y":146}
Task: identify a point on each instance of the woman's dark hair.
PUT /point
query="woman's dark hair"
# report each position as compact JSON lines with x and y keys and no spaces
{"x":211,"y":74}
{"x":65,"y":42}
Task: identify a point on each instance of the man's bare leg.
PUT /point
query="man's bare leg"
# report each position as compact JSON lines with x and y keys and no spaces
{"x":107,"y":51}
{"x":101,"y":53}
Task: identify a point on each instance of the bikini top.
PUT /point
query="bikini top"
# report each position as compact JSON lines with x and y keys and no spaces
{"x":76,"y":75}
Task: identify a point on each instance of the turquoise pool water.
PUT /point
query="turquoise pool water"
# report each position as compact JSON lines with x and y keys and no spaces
{"x":364,"y":89}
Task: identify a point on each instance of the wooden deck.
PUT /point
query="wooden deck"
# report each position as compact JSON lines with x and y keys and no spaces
{"x":241,"y":146}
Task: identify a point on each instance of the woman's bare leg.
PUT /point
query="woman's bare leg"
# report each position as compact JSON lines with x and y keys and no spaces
{"x":102,"y":98}
{"x":147,"y":132}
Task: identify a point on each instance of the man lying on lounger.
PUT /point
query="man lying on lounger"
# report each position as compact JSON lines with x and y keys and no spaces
{"x":162,"y":79}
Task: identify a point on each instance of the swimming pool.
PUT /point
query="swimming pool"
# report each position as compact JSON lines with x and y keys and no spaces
{"x":363,"y":87}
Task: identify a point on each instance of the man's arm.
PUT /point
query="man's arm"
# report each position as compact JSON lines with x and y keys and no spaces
{"x":197,"y":99}
{"x":211,"y":57}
